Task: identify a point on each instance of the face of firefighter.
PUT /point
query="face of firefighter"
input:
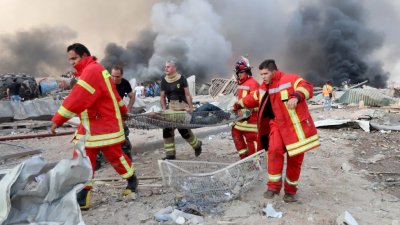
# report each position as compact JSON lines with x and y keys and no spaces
{"x":242,"y":75}
{"x":74,"y":58}
{"x":266,"y":75}
{"x":116,"y":75}
{"x":170,"y":69}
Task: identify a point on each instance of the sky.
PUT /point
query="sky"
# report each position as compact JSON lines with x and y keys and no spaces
{"x":206,"y":37}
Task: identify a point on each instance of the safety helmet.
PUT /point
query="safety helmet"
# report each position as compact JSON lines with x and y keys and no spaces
{"x":241,"y":65}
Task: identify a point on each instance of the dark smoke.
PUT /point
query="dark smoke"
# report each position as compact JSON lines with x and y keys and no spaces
{"x":134,"y":58}
{"x":39,"y":51}
{"x":330,"y":41}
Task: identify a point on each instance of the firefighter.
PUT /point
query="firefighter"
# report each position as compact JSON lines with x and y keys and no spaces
{"x":96,"y":101}
{"x":244,"y":132}
{"x":175,"y":90}
{"x":285,"y":126}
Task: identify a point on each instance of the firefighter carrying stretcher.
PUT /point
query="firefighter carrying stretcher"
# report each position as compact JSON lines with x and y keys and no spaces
{"x":285,"y":126}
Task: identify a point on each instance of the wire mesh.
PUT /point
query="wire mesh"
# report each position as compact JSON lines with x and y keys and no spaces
{"x":184,"y":120}
{"x":212,"y":182}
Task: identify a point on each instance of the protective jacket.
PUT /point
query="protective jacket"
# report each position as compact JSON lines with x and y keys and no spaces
{"x":244,"y":89}
{"x":295,"y":125}
{"x":95,"y":99}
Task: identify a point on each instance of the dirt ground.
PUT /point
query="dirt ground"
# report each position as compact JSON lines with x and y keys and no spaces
{"x":352,"y":171}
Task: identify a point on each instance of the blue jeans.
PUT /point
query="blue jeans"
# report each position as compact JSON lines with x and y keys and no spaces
{"x":327,"y":103}
{"x":15,"y":98}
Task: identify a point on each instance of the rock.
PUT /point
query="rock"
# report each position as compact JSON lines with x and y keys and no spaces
{"x":346,"y":219}
{"x":345,"y":167}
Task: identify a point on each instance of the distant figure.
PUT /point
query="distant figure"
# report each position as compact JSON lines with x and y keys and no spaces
{"x":156,"y":88}
{"x":138,"y":90}
{"x":327,"y":92}
{"x":13,"y":91}
{"x":142,"y":91}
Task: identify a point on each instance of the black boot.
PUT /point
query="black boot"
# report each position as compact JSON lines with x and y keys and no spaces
{"x":197,"y":151}
{"x":132,"y":186}
{"x":83,"y":198}
{"x":169,"y":157}
{"x":127,"y":148}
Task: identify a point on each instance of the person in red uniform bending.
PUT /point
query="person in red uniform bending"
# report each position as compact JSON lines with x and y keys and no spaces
{"x":285,"y":126}
{"x":244,"y":132}
{"x":96,"y":101}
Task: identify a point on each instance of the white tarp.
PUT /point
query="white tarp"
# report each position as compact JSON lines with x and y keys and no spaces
{"x":35,"y":192}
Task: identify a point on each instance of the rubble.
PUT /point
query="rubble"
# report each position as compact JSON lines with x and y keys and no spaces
{"x":370,"y":96}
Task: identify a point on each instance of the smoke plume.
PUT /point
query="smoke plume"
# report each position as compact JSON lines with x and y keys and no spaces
{"x":330,"y":41}
{"x":188,"y":33}
{"x":39,"y":51}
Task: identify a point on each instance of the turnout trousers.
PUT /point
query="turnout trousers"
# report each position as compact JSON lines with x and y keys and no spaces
{"x":113,"y":153}
{"x":276,"y":157}
{"x":169,"y":139}
{"x":246,"y":142}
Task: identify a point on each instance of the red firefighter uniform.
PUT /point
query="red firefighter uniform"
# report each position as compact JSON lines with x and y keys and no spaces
{"x":246,"y":129}
{"x":95,"y":100}
{"x":283,"y":130}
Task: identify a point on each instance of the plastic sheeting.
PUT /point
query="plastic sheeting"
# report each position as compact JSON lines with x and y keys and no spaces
{"x":40,"y":193}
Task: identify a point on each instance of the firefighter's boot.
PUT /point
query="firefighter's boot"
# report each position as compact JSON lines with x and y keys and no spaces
{"x":197,"y":151}
{"x":131,"y":188}
{"x":83,"y":198}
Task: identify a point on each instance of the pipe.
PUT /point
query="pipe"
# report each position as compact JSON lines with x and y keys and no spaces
{"x":35,"y":136}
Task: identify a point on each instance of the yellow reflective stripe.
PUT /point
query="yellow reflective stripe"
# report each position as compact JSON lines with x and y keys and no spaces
{"x":242,"y":152}
{"x":245,"y":124}
{"x":104,"y":142}
{"x":244,"y":93}
{"x":293,"y":183}
{"x":255,"y":145}
{"x":121,"y":103}
{"x":85,"y":122}
{"x":284,"y":95}
{"x":304,"y":91}
{"x":297,"y":83}
{"x":194,"y":142}
{"x":240,"y":102}
{"x":101,"y":137}
{"x":274,"y":177}
{"x":64,"y":112}
{"x":106,"y":75}
{"x":246,"y":129}
{"x":304,"y":148}
{"x":302,"y":142}
{"x":168,"y":145}
{"x":86,"y":86}
{"x":255,"y":95}
{"x":128,"y":168}
{"x":296,"y":123}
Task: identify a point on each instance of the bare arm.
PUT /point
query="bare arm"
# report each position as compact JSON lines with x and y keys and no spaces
{"x":188,"y":99}
{"x":163,"y":101}
{"x":8,"y":92}
{"x":132,"y":99}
